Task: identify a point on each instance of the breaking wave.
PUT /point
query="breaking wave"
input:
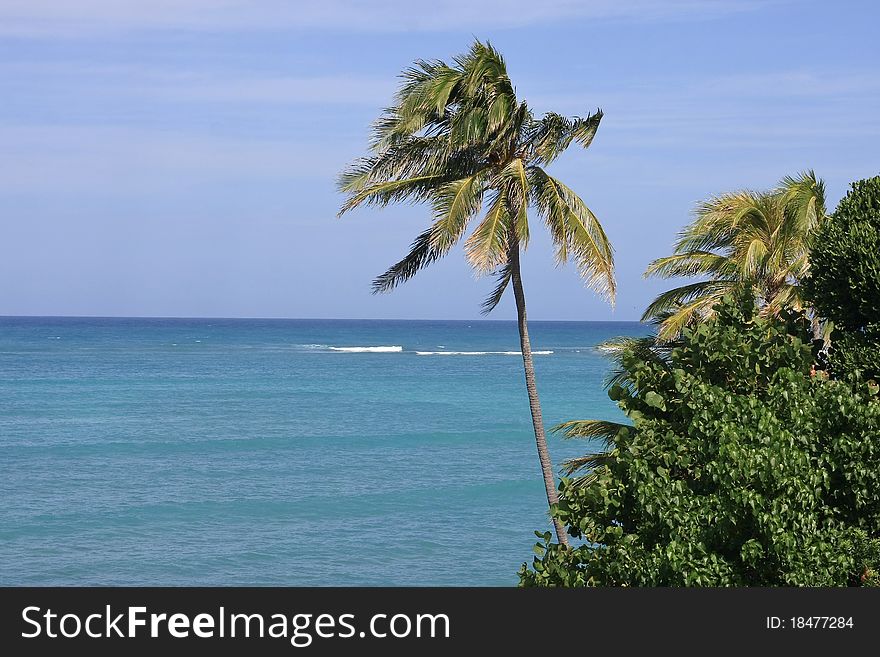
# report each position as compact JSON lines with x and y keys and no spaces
{"x":480,"y":353}
{"x":373,"y":350}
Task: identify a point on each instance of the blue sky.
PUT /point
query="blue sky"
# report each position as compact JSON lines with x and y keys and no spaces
{"x":178,"y":157}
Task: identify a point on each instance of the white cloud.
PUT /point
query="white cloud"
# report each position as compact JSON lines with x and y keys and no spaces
{"x":83,"y":17}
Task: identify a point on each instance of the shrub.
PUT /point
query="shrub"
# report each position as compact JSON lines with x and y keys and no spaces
{"x":844,"y":283}
{"x":740,"y":468}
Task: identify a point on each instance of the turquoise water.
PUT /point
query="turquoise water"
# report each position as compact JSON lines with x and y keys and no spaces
{"x":277,"y":452}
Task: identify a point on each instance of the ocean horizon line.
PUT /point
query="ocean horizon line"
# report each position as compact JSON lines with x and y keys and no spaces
{"x":321,"y":319}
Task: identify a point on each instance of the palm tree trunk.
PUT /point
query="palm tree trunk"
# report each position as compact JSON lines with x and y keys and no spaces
{"x":534,"y":403}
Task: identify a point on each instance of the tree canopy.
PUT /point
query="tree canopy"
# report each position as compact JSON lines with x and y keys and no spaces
{"x":739,"y":468}
{"x":844,"y":281}
{"x":756,"y":241}
{"x":459,"y":139}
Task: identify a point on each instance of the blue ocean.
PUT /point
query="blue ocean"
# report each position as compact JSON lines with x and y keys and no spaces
{"x":281,"y":452}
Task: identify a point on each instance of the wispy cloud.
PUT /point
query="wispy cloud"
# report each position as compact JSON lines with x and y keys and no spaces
{"x":739,"y":111}
{"x":345,"y":90}
{"x":122,"y":160}
{"x":209,"y":86}
{"x":797,"y":112}
{"x":84,"y":17}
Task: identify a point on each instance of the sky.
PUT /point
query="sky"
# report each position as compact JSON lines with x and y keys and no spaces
{"x":179,"y":157}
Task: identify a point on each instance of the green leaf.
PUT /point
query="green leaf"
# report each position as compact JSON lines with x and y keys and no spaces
{"x":655,"y":400}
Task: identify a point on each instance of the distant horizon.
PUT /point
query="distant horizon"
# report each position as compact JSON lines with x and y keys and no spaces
{"x":329,"y":319}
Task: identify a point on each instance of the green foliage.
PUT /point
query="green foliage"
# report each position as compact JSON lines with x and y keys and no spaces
{"x":755,"y":241}
{"x":844,"y":282}
{"x":739,"y":469}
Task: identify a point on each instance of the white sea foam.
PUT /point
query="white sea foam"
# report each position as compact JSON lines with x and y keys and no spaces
{"x":480,"y":353}
{"x":376,"y":350}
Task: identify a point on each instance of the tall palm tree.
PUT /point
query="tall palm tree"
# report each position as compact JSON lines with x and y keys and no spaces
{"x":741,"y":239}
{"x":457,"y":138}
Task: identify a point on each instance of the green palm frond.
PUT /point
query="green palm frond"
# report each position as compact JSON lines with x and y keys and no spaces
{"x":675,"y":308}
{"x":590,"y":461}
{"x":410,"y":158}
{"x":420,"y":188}
{"x":717,"y":222}
{"x":486,"y":248}
{"x":603,"y":430}
{"x":576,"y":231}
{"x":691,"y":263}
{"x":454,"y":205}
{"x":671,"y":323}
{"x":502,"y":277}
{"x":517,"y":191}
{"x":754,"y":258}
{"x":422,"y":253}
{"x":480,"y":62}
{"x":804,"y":200}
{"x":428,"y":87}
{"x":553,"y":134}
{"x":589,"y":464}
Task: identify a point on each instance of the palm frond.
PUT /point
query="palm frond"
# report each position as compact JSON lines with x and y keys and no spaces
{"x":717,"y":222}
{"x":671,"y":299}
{"x":603,"y":430}
{"x":576,"y":231}
{"x":486,"y":248}
{"x":671,"y":322}
{"x":804,"y":199}
{"x":553,"y":133}
{"x":419,"y":188}
{"x":691,"y":263}
{"x":409,"y":158}
{"x":503,"y":276}
{"x":517,"y":190}
{"x":454,"y":204}
{"x":427,"y":89}
{"x":590,"y":465}
{"x":753,"y":261}
{"x":421,"y":254}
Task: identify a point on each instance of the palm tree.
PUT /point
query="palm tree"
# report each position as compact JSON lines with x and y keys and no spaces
{"x":741,"y":239}
{"x":457,"y":137}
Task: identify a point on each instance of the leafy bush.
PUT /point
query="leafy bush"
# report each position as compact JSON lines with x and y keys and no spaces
{"x":740,"y":469}
{"x":844,"y":284}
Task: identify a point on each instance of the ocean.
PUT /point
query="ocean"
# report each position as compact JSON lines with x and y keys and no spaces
{"x":281,"y":452}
